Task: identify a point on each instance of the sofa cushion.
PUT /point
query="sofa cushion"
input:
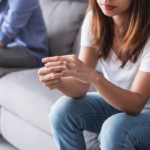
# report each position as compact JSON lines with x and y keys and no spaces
{"x":4,"y":71}
{"x":24,"y":95}
{"x":63,"y":19}
{"x":26,"y":136}
{"x":28,"y":97}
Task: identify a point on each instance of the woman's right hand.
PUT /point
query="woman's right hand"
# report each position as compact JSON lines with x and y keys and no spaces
{"x":45,"y":75}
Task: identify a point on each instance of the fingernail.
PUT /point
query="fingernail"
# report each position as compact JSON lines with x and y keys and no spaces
{"x":43,"y":59}
{"x":64,"y":67}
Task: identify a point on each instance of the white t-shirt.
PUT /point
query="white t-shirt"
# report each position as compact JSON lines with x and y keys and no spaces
{"x":110,"y":67}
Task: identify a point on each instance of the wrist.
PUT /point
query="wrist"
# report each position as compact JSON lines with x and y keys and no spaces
{"x":60,"y":83}
{"x":95,"y":78}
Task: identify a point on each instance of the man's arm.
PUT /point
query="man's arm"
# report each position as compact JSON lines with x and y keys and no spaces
{"x":17,"y":17}
{"x":1,"y":45}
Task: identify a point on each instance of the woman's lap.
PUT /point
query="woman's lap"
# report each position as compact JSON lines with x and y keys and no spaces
{"x":92,"y":106}
{"x":69,"y":117}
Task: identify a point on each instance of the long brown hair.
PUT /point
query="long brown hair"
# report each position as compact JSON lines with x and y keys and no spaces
{"x":135,"y":32}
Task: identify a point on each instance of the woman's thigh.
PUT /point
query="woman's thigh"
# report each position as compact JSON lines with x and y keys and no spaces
{"x":87,"y":113}
{"x":125,"y":132}
{"x":17,"y":57}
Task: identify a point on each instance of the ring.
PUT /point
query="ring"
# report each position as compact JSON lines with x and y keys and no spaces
{"x":65,"y":63}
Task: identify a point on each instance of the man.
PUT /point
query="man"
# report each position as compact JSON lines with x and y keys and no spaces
{"x":23,"y":37}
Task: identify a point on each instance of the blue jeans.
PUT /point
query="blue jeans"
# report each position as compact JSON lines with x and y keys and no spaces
{"x":116,"y":130}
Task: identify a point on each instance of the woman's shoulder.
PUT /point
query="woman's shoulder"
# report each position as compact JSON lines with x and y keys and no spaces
{"x":146,"y":49}
{"x":147,"y":45}
{"x":145,"y":58}
{"x":87,"y":18}
{"x":89,"y":14}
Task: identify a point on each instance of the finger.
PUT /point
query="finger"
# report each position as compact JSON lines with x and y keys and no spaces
{"x":52,"y":87}
{"x":71,"y":66}
{"x":56,"y":69}
{"x":44,"y":71}
{"x":68,"y":66}
{"x":63,"y":74}
{"x":47,"y":77}
{"x":51,"y":64}
{"x":40,"y":71}
{"x":67,"y":58}
{"x":54,"y":81}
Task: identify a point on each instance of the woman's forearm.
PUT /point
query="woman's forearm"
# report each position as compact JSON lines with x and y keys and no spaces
{"x":71,"y":87}
{"x":123,"y":100}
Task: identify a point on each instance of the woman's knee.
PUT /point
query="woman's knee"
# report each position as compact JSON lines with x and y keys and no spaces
{"x":113,"y":131}
{"x":122,"y":131}
{"x":62,"y":111}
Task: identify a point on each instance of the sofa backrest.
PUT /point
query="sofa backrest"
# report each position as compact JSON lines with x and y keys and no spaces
{"x":63,"y":19}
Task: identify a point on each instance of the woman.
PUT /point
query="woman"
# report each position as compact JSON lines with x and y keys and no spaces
{"x":116,"y":32}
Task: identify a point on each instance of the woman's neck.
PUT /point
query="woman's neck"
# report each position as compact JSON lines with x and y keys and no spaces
{"x":118,"y":22}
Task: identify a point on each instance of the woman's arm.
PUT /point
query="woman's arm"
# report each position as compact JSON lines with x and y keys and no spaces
{"x":69,"y":85}
{"x":131,"y":102}
{"x":72,"y":87}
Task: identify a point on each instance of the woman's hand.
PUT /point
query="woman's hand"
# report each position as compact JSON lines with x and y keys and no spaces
{"x":46,"y":76}
{"x":76,"y":67}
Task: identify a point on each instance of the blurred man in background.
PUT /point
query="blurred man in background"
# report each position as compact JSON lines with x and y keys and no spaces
{"x":23,"y":36}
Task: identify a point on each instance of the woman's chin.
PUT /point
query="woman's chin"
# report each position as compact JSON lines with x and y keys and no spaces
{"x":109,"y":13}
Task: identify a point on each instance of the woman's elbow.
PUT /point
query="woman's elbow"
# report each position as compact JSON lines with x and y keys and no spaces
{"x":135,"y":112}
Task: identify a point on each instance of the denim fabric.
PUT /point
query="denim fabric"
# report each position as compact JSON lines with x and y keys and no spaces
{"x":116,"y":130}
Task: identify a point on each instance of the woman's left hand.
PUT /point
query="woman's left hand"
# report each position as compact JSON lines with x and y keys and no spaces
{"x":76,"y":67}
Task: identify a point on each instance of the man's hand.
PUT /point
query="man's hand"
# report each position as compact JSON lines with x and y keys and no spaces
{"x":1,"y":45}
